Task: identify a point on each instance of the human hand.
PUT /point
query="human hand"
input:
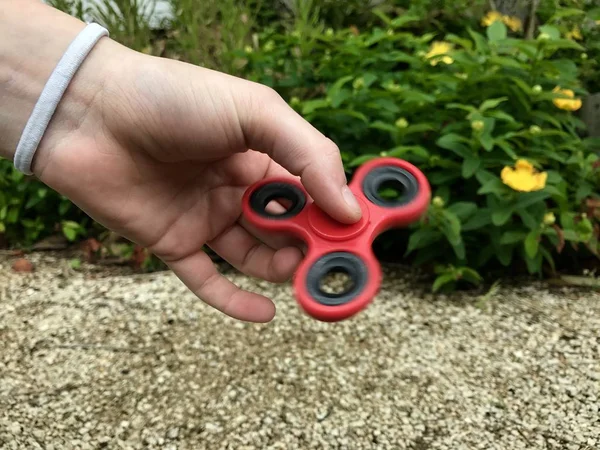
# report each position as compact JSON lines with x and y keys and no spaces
{"x":161,"y":152}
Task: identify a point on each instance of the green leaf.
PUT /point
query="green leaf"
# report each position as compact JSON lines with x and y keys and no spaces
{"x":64,"y":207}
{"x":546,"y":117}
{"x":565,"y":12}
{"x":369,"y":79}
{"x":402,"y":150}
{"x":468,"y":108}
{"x":471,"y":275}
{"x":506,"y":148}
{"x":443,"y":177}
{"x":532,"y":243}
{"x":70,"y":224}
{"x":501,"y":115}
{"x":584,"y":190}
{"x":361,"y":160}
{"x":385,"y":104}
{"x":480,"y":43}
{"x":493,"y":186}
{"x":418,"y":128}
{"x":2,"y":227}
{"x":528,"y":219}
{"x":534,"y":265}
{"x":462,"y":42}
{"x":422,"y":238}
{"x":451,"y":227}
{"x":454,"y":142}
{"x":69,"y":233}
{"x":496,"y":31}
{"x":335,"y":93}
{"x":470,"y":166}
{"x":502,"y":214}
{"x":530,"y":198}
{"x":491,"y":103}
{"x":504,"y":254}
{"x":443,"y":280}
{"x":346,"y":112}
{"x":313,"y":105}
{"x":483,"y":176}
{"x":463,"y":210}
{"x":548,"y":257}
{"x":459,"y":250}
{"x":480,"y":219}
{"x":399,"y":22}
{"x":486,"y":139}
{"x":551,"y":31}
{"x":13,"y":215}
{"x":379,"y":125}
{"x":561,"y":44}
{"x":512,"y":237}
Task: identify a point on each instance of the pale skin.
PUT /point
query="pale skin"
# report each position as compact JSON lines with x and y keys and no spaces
{"x":161,"y":152}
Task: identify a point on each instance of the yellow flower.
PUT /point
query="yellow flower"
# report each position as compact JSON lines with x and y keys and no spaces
{"x":523,"y":177}
{"x":514,"y":23}
{"x":490,"y":18}
{"x":575,"y":33}
{"x":438,"y":49}
{"x":568,"y":104}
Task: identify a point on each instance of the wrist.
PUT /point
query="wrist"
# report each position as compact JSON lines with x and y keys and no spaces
{"x":33,"y":38}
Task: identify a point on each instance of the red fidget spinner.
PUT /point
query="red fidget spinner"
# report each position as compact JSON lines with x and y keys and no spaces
{"x":337,"y":247}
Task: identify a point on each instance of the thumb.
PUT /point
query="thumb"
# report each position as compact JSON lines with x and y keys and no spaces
{"x":271,"y":126}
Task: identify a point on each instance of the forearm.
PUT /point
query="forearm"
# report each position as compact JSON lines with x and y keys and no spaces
{"x":33,"y":38}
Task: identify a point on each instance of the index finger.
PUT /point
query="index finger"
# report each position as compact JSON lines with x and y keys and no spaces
{"x":271,"y":126}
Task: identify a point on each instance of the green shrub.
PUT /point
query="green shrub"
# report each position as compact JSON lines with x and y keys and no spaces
{"x":30,"y":211}
{"x":466,"y":118}
{"x":480,"y":118}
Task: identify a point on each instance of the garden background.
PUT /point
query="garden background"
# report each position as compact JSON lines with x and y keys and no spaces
{"x":492,"y":100}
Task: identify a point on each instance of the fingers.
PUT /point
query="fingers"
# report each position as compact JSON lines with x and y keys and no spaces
{"x":199,"y":274}
{"x":252,"y":257}
{"x":271,"y":126}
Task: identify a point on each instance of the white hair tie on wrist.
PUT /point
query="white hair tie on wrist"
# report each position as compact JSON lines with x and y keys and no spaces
{"x":52,"y":94}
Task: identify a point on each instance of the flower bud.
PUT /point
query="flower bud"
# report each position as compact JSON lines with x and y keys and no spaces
{"x":534,"y":129}
{"x":358,"y":83}
{"x":402,"y":123}
{"x":477,"y":125}
{"x":269,"y":46}
{"x":549,"y":218}
{"x":438,"y":202}
{"x":537,"y":89}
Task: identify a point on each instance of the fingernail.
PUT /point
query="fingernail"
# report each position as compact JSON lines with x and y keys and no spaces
{"x":351,"y":199}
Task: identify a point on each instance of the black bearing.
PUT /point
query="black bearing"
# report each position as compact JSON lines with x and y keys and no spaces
{"x":262,"y":196}
{"x":380,"y":176}
{"x":345,"y":262}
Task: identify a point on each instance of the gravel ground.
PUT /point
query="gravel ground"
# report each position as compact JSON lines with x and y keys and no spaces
{"x":102,"y":359}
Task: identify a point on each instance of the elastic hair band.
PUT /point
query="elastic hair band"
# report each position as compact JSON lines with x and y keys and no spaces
{"x":52,"y":94}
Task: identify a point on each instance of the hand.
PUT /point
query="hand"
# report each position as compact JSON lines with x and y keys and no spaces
{"x":161,"y":152}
